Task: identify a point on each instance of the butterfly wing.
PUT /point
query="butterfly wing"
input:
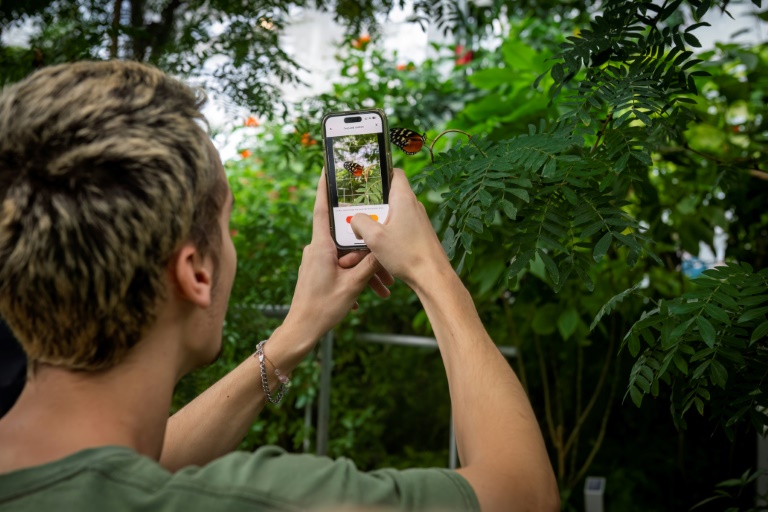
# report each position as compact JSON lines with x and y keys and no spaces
{"x":354,"y":168}
{"x":407,"y":140}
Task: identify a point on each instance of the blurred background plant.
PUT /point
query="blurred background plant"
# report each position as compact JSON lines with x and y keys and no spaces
{"x":580,"y":231}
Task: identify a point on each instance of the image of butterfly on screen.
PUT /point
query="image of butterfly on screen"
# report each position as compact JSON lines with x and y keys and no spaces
{"x":356,"y":170}
{"x":407,"y":140}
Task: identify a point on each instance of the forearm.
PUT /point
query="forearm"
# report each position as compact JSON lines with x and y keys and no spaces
{"x":497,"y":434}
{"x":215,"y":422}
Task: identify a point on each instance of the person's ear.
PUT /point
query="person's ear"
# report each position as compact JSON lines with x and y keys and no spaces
{"x":194,"y":275}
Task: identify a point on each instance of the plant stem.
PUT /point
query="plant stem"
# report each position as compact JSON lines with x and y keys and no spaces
{"x":431,"y":146}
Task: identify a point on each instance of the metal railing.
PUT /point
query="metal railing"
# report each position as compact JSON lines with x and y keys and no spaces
{"x":326,"y":370}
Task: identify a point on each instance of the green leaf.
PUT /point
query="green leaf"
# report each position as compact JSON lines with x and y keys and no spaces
{"x":699,"y":371}
{"x":621,"y":163}
{"x":567,"y":322}
{"x":485,"y":197}
{"x":509,"y":209}
{"x":706,"y":330}
{"x":697,"y":25}
{"x":759,"y":332}
{"x":691,"y":40}
{"x":718,"y":373}
{"x":521,"y":193}
{"x":681,"y":329}
{"x":717,"y":313}
{"x":519,"y":263}
{"x":474,"y":224}
{"x":636,"y":395}
{"x":554,"y":273}
{"x":601,"y":247}
{"x":752,"y":314}
{"x":681,"y":363}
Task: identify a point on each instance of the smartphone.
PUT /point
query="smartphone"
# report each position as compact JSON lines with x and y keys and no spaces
{"x":358,"y":164}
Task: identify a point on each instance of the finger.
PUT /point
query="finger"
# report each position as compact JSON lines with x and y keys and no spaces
{"x":352,"y":258}
{"x":364,"y":271}
{"x":400,"y":186}
{"x":375,"y":284}
{"x":321,"y":228}
{"x":385,"y":277}
{"x":365,"y":227}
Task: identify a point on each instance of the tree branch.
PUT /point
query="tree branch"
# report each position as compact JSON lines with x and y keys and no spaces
{"x":548,"y":405}
{"x":139,"y":34}
{"x":603,"y":428}
{"x":516,"y":342}
{"x":163,"y":30}
{"x":757,"y":173}
{"x":593,"y":399}
{"x":117,"y":12}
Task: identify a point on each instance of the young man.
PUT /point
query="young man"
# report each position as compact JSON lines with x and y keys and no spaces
{"x":115,"y":272}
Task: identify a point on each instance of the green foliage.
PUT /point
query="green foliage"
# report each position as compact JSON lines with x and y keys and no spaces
{"x":710,"y":341}
{"x":185,"y":38}
{"x":734,"y":488}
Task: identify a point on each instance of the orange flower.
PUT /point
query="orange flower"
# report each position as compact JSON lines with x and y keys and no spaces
{"x":252,"y":122}
{"x":307,"y":140}
{"x":245,"y":153}
{"x":233,"y":232}
{"x":402,"y":67}
{"x":361,"y":41}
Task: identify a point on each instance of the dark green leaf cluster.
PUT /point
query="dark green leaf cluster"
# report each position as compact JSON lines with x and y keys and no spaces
{"x":546,"y":191}
{"x":561,"y":190}
{"x":710,"y":345}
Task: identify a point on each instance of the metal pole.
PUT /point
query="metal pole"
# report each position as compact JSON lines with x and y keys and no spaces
{"x":453,"y":455}
{"x":324,"y":394}
{"x":307,"y":426}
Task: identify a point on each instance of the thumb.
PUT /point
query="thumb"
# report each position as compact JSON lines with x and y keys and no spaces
{"x":365,"y":270}
{"x":365,"y":227}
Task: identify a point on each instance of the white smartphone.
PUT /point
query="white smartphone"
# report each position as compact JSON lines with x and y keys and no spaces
{"x":358,"y":164}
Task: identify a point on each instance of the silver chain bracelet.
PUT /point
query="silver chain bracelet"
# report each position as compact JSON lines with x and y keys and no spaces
{"x":284,"y":381}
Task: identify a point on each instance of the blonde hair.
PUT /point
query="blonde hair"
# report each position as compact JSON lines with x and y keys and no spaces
{"x":104,"y":173}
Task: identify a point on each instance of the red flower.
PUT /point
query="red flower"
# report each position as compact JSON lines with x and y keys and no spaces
{"x":245,"y":153}
{"x":466,"y":58}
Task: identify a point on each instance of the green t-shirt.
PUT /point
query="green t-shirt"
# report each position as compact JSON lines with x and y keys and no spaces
{"x":117,"y":478}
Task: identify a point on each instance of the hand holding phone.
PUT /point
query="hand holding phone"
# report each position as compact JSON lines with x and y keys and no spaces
{"x":407,"y":245}
{"x":358,"y":162}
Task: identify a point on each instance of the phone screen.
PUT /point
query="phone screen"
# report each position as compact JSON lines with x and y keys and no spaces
{"x":358,"y":171}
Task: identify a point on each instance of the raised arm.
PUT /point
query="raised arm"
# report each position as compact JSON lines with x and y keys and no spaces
{"x":215,"y":422}
{"x":500,"y":444}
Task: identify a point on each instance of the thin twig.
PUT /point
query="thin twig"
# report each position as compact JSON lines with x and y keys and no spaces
{"x":601,"y":132}
{"x":757,"y":173}
{"x":609,"y":355}
{"x":603,"y":428}
{"x":431,"y":146}
{"x":516,"y":342}
{"x":548,"y":404}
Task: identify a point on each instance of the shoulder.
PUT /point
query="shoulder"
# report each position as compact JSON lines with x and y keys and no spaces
{"x":310,"y":480}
